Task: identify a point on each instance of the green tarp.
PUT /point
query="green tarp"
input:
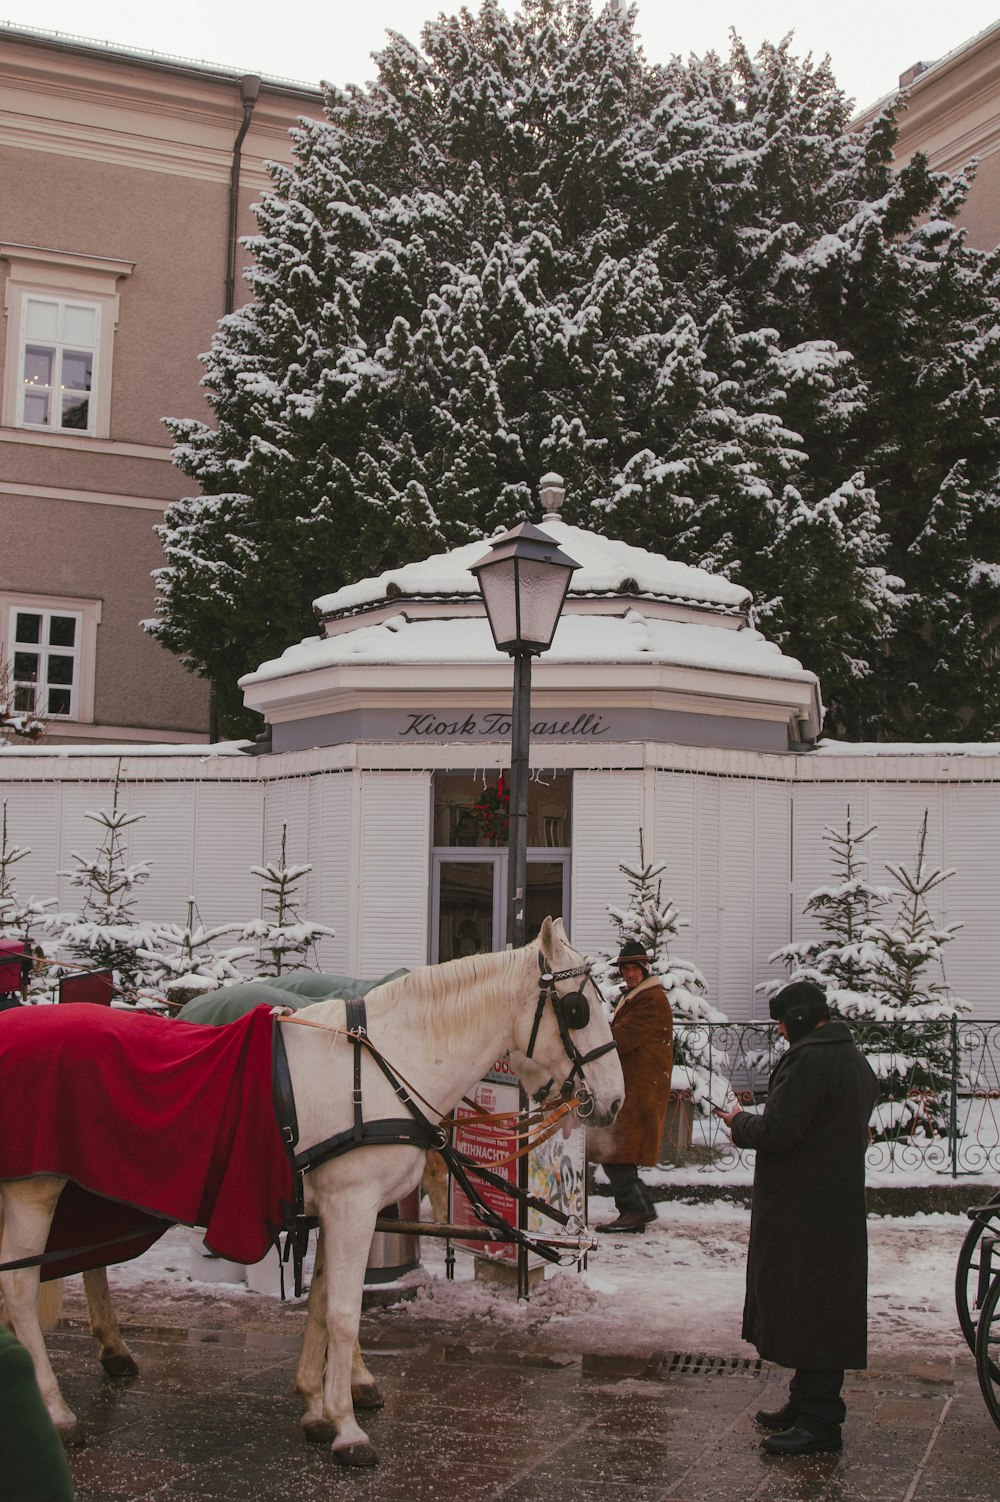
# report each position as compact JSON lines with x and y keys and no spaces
{"x":298,"y":989}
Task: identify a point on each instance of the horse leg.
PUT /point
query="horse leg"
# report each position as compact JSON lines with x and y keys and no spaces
{"x":365,"y":1393}
{"x":348,"y":1238}
{"x":116,"y":1358}
{"x":28,"y":1207}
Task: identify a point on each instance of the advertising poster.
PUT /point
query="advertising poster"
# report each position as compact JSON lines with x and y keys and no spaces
{"x":489,"y":1144}
{"x":557,"y":1170}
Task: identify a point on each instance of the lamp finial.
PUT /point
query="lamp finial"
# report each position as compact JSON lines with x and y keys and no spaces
{"x":552,"y":494}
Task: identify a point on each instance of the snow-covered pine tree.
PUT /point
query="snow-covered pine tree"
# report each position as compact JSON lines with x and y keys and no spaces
{"x":844,"y":956}
{"x":286,"y":941}
{"x":699,"y":1065}
{"x":105,"y":934}
{"x":742,"y":335}
{"x":182,"y":960}
{"x":908,"y":1041}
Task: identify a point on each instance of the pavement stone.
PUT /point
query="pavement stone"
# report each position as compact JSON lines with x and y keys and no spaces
{"x":212,"y":1418}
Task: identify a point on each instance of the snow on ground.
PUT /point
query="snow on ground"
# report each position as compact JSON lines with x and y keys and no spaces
{"x":677,"y":1288}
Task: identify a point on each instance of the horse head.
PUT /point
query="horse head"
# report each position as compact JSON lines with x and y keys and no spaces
{"x":563,"y":1041}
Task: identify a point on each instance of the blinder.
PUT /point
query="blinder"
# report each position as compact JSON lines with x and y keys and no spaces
{"x":572,"y":1010}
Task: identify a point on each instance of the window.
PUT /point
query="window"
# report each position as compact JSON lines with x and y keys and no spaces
{"x":60,"y":342}
{"x":62,"y":310}
{"x":46,"y":662}
{"x":48,"y":646}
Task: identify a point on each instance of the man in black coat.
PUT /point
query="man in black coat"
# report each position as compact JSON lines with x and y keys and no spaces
{"x":807,"y":1265}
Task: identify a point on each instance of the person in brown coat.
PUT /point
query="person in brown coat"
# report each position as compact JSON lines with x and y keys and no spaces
{"x":643,"y":1029}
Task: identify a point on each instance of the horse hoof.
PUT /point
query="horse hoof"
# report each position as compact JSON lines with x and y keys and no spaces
{"x":355,"y":1455}
{"x":367,"y":1397}
{"x":120,"y":1366}
{"x":319,"y":1431}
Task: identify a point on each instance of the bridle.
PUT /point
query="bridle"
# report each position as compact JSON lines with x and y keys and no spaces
{"x":572,"y":1014}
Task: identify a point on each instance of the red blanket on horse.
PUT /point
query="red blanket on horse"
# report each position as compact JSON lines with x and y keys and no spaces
{"x":152,"y":1121}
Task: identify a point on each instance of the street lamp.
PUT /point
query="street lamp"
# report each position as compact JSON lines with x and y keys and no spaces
{"x":523,"y":580}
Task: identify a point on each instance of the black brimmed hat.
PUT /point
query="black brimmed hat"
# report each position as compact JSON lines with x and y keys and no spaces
{"x":633,"y":953}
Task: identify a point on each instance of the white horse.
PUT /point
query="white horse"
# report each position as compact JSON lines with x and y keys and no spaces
{"x":442,"y":1027}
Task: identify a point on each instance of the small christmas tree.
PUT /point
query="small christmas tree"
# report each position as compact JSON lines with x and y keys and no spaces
{"x":655,"y":924}
{"x":910,"y":1045}
{"x":16,"y":917}
{"x":105,"y":935}
{"x":843,"y":958}
{"x":185,"y":961}
{"x":286,"y":940}
{"x":18,"y":720}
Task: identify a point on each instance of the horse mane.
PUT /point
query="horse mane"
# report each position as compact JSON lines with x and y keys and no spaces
{"x":451,"y":998}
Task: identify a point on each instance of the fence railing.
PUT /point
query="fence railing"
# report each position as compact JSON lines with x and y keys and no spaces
{"x":939,"y":1102}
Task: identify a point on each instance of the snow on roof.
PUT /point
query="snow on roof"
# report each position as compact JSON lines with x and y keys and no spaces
{"x":632,"y":637}
{"x":606,"y":567}
{"x":144,"y":748}
{"x":906,"y":748}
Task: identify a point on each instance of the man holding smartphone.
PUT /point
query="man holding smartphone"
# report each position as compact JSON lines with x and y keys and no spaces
{"x":807,"y":1263}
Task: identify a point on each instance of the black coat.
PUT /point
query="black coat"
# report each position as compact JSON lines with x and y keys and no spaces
{"x":807,"y":1265}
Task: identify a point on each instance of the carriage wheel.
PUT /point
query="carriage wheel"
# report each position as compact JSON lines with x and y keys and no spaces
{"x":988,"y":1351}
{"x":976,"y":1265}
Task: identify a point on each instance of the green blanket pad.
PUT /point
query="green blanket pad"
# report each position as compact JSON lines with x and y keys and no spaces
{"x":299,"y":989}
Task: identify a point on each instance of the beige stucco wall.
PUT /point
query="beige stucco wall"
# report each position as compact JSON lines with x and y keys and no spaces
{"x":107,"y":156}
{"x":76,"y":550}
{"x":952,"y":115}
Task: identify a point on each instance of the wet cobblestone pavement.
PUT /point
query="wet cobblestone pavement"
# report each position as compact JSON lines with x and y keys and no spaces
{"x":212,"y":1417}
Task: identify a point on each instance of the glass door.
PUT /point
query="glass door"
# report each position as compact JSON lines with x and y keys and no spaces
{"x":470,"y":900}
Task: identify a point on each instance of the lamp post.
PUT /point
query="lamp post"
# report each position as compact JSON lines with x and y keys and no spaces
{"x":523,"y":580}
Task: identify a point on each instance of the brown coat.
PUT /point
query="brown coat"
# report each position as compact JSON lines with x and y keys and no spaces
{"x":643,"y":1029}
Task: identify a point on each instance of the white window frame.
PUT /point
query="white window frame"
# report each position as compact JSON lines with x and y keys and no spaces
{"x":38,"y":274}
{"x":84,"y":651}
{"x":58,"y":347}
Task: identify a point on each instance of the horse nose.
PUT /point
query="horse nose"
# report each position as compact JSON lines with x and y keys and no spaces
{"x":616,"y":1105}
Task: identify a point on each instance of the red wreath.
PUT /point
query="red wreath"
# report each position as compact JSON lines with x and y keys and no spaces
{"x":492,"y":812}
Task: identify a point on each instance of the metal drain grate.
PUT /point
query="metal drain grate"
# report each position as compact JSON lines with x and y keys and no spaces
{"x":683,"y":1364}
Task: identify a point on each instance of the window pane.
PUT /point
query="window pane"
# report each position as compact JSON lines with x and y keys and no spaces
{"x":38,"y":365}
{"x":26,"y":667}
{"x":74,"y":412}
{"x":77,"y":369}
{"x":41,"y":320}
{"x":79,"y":325}
{"x":60,"y":668}
{"x":24,"y":698}
{"x":36,"y":407}
{"x":465,"y":921}
{"x":59,"y":701}
{"x":28,"y":627}
{"x":62,"y":631}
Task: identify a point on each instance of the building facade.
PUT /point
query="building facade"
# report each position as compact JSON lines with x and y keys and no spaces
{"x":127,"y":179}
{"x":952,"y":115}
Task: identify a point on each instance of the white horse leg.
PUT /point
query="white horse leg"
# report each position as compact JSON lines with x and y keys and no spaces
{"x":348,"y":1238}
{"x":308,"y":1383}
{"x":28,"y":1207}
{"x":115,"y":1357}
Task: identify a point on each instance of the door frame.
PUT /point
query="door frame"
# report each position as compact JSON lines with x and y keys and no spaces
{"x":497,"y":857}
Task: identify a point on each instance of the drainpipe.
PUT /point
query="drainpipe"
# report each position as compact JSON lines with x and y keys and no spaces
{"x":249,"y":89}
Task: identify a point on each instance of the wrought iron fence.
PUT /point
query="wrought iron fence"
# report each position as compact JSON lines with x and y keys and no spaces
{"x":939,"y":1102}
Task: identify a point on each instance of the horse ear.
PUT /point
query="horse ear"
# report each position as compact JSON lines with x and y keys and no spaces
{"x":545,"y":936}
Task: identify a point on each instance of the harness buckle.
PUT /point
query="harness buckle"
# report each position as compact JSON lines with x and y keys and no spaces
{"x":356,"y":1096}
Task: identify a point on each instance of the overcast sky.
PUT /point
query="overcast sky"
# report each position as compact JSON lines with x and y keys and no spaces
{"x":870,"y":41}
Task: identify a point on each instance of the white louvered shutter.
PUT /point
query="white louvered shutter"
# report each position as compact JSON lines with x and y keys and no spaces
{"x":607,"y":817}
{"x":394,"y":880}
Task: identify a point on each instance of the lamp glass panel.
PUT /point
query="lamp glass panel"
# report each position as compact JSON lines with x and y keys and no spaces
{"x":542,"y":591}
{"x":498,"y":583}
